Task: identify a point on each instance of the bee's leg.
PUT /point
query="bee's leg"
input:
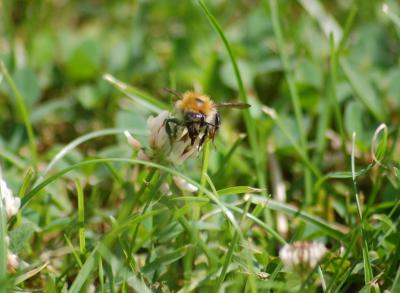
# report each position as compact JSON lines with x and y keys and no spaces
{"x":203,"y":138}
{"x":217,"y":121}
{"x":203,"y":122}
{"x":215,"y":127}
{"x":171,"y":132}
{"x":192,"y":131}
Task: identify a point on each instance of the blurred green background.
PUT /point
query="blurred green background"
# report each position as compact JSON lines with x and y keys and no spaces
{"x":57,"y":53}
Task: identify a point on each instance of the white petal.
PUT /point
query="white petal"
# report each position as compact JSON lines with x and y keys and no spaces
{"x":133,"y":142}
{"x":184,"y":185}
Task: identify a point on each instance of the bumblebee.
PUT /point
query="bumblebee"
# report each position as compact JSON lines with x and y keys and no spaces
{"x":198,"y":114}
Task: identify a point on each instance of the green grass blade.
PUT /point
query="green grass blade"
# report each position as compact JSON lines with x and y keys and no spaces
{"x":335,"y":231}
{"x":101,"y":275}
{"x":204,"y":169}
{"x":13,"y":159}
{"x":396,"y":282}
{"x":196,"y":240}
{"x":23,"y":111}
{"x":226,"y":158}
{"x":27,"y":181}
{"x":146,"y":99}
{"x":237,"y":235}
{"x":240,"y":211}
{"x":342,"y":175}
{"x":73,"y":250}
{"x":188,"y":260}
{"x":274,"y":233}
{"x":294,"y":95}
{"x":34,"y":192}
{"x":300,"y":151}
{"x":347,"y":28}
{"x":365,"y":250}
{"x":334,"y":282}
{"x":227,"y":260}
{"x":165,"y":259}
{"x":84,"y":273}
{"x":78,"y":141}
{"x":327,"y":23}
{"x":81,"y":217}
{"x":392,"y":16}
{"x":333,"y":94}
{"x":249,"y":121}
{"x":29,"y":274}
{"x":238,"y":190}
{"x":107,"y":241}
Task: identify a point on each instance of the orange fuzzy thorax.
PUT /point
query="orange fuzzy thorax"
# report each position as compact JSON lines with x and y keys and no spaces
{"x":195,"y":102}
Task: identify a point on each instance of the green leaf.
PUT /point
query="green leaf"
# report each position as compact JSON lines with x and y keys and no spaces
{"x":308,"y":73}
{"x":27,"y":83}
{"x":396,"y":282}
{"x":43,"y":49}
{"x":87,"y":97}
{"x":21,"y":235}
{"x":84,"y":61}
{"x":364,"y":91}
{"x":29,"y":274}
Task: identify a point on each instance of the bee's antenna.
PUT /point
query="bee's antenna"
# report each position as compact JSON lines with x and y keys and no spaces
{"x":173,"y":92}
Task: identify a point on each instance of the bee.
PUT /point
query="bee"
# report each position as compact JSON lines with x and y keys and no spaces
{"x":198,"y":114}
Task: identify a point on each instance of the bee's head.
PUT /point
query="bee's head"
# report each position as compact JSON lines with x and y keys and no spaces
{"x":195,"y":102}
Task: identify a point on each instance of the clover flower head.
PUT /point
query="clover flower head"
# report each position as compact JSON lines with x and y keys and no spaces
{"x":302,"y":256}
{"x":161,"y":146}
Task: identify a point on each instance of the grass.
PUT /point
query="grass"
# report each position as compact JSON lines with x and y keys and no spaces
{"x":23,"y":112}
{"x":293,"y":95}
{"x":94,"y":217}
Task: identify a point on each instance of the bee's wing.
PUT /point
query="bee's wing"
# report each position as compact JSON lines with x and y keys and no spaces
{"x":238,"y":105}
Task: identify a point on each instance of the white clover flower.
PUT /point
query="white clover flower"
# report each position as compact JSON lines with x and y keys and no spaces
{"x":10,"y":203}
{"x":176,"y":151}
{"x":158,"y":140}
{"x":301,"y":256}
{"x":161,"y":147}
